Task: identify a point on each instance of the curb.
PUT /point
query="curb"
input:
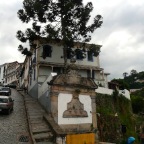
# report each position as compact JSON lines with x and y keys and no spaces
{"x":29,"y":124}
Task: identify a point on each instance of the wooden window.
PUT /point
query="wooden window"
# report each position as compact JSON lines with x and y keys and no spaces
{"x":90,"y":56}
{"x":93,"y":74}
{"x":47,"y":51}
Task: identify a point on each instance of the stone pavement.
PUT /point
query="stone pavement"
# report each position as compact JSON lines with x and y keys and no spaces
{"x":39,"y":128}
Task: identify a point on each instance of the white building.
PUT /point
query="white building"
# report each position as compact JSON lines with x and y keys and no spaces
{"x":2,"y":68}
{"x":11,"y":72}
{"x":47,"y":58}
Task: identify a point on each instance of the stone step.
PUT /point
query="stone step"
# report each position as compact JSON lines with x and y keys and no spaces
{"x":39,"y":137}
{"x":34,"y":113}
{"x":53,"y":126}
{"x":44,"y":142}
{"x":38,"y":117}
{"x":39,"y":121}
{"x":40,"y":128}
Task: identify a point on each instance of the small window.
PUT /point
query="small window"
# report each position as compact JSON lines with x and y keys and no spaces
{"x":47,"y":51}
{"x":90,"y":56}
{"x":88,"y":73}
{"x":93,"y":74}
{"x":79,"y":54}
{"x":68,"y":53}
{"x":57,"y":70}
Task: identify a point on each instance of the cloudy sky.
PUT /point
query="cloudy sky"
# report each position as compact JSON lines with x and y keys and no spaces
{"x":121,"y":35}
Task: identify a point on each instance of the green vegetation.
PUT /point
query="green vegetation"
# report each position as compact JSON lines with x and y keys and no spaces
{"x":115,"y":110}
{"x":137,"y":99}
{"x":132,"y":81}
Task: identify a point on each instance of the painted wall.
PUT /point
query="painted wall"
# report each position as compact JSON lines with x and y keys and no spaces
{"x":63,"y":99}
{"x":83,"y":73}
{"x":44,"y":99}
{"x":107,"y":91}
{"x":57,"y":53}
{"x":44,"y":87}
{"x":34,"y":91}
{"x":43,"y":73}
{"x":43,"y":93}
{"x":125,"y":92}
{"x":103,"y":90}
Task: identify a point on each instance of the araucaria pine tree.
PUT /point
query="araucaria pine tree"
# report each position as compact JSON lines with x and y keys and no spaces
{"x":59,"y":20}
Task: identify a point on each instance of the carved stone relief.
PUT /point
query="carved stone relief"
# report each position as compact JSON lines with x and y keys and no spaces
{"x":75,"y":108}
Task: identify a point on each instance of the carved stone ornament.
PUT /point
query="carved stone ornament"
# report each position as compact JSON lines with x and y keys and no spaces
{"x":75,"y":108}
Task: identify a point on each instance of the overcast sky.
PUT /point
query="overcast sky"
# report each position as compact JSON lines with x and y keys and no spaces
{"x":121,"y":35}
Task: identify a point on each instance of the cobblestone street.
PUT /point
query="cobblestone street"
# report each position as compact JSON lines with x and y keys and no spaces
{"x":14,"y":127}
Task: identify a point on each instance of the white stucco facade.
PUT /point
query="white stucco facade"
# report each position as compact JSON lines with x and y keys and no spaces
{"x":107,"y":91}
{"x":57,"y":56}
{"x":44,"y":87}
{"x":89,"y":68}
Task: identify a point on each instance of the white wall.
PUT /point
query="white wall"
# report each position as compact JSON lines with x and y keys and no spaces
{"x":103,"y":90}
{"x":125,"y":92}
{"x":63,"y":99}
{"x":44,"y":87}
{"x":57,"y":52}
{"x":44,"y":72}
{"x":107,"y":91}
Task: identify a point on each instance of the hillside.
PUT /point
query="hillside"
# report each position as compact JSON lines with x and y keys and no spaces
{"x":134,"y":80}
{"x":116,"y":121}
{"x":118,"y":117}
{"x":135,"y":83}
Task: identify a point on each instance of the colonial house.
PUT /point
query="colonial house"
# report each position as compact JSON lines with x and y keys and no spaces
{"x":11,"y":73}
{"x":24,"y":75}
{"x":48,"y":57}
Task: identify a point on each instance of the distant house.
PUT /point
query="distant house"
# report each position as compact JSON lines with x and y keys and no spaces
{"x":2,"y":69}
{"x":140,"y":81}
{"x":113,"y":85}
{"x":11,"y":72}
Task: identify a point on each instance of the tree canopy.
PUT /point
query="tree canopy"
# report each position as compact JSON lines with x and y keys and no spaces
{"x":65,"y":20}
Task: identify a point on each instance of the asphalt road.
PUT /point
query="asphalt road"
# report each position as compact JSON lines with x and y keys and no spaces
{"x":14,"y":127}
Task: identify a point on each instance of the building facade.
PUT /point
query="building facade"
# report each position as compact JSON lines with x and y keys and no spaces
{"x":2,"y":69}
{"x":11,"y":73}
{"x":47,"y":58}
